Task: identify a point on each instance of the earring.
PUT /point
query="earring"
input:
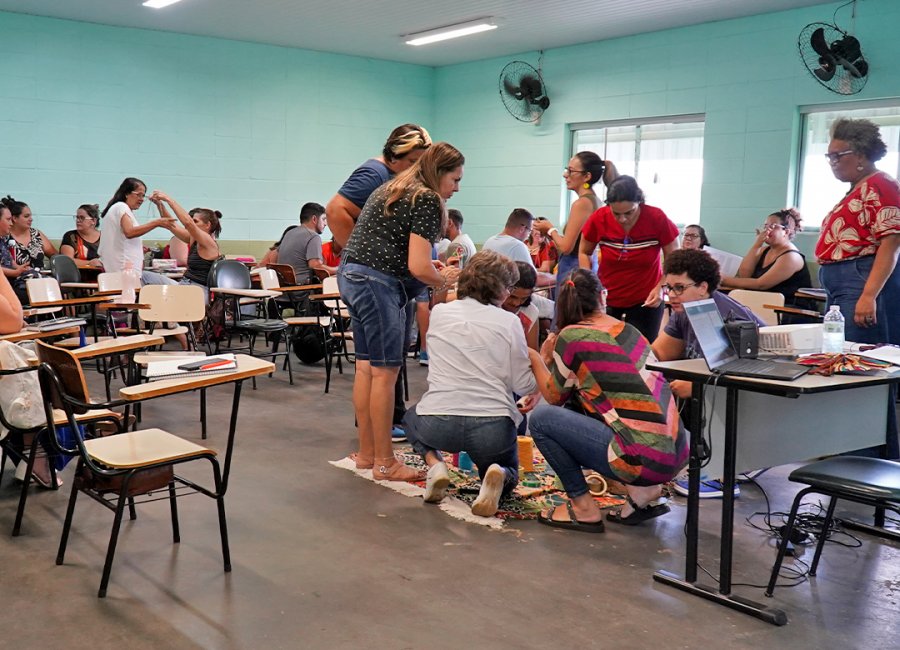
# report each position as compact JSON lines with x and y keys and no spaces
{"x":587,"y":186}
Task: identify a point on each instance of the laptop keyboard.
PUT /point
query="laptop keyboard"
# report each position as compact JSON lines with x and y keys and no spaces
{"x":751,"y":365}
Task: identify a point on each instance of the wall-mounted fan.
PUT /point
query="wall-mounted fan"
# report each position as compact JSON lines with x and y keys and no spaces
{"x":834,"y":58}
{"x":523,"y":91}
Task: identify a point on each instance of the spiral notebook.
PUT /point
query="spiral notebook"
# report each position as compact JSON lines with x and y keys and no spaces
{"x":169,"y":369}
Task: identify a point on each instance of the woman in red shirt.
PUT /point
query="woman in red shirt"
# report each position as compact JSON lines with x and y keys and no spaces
{"x":633,"y":237}
{"x":860,"y":237}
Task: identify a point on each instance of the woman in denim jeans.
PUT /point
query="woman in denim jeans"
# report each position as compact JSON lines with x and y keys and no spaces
{"x":478,"y":359}
{"x":860,"y":237}
{"x":628,"y":428}
{"x":386,"y":262}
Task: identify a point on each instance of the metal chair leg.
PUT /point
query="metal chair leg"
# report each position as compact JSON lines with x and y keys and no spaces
{"x":782,"y":547}
{"x":70,"y":510}
{"x":829,"y":515}
{"x":173,"y":507}
{"x":114,"y":537}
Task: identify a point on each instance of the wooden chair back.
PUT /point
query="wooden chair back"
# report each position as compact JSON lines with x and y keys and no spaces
{"x":285,"y":273}
{"x":173,"y":303}
{"x":760,"y":303}
{"x":43,"y":290}
{"x":68,"y":369}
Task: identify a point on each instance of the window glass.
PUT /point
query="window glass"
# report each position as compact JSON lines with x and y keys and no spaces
{"x":666,"y":158}
{"x":818,"y":189}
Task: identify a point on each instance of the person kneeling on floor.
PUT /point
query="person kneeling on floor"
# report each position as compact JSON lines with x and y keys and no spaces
{"x":628,"y":427}
{"x":479,"y":358}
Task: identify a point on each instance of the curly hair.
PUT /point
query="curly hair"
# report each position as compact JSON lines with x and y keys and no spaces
{"x":697,"y":264}
{"x":485,"y":277}
{"x":863,"y":137}
{"x":789,"y":218}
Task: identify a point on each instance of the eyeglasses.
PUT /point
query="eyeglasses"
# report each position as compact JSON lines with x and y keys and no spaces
{"x":688,"y":235}
{"x":569,"y":170}
{"x":772,"y":226}
{"x":140,"y":195}
{"x":678,"y":289}
{"x":80,"y":217}
{"x":837,"y":155}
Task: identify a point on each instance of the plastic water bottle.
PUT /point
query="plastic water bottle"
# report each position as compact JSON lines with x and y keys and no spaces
{"x":833,"y":331}
{"x":129,"y":284}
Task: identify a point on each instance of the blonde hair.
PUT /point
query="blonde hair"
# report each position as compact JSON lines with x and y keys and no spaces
{"x":403,"y":139}
{"x":424,"y":177}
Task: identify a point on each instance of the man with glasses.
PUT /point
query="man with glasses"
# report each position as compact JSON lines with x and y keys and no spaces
{"x":692,"y":275}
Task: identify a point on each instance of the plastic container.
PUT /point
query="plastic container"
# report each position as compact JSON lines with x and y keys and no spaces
{"x":131,"y":282}
{"x":833,"y":331}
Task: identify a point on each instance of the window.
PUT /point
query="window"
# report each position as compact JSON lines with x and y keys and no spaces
{"x":818,"y":190}
{"x":665,"y":156}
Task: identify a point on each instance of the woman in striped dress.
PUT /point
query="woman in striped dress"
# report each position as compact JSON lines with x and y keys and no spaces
{"x":620,"y":420}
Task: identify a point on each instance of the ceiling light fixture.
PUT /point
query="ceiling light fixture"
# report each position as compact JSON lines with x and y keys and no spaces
{"x":450,"y":31}
{"x":159,"y":4}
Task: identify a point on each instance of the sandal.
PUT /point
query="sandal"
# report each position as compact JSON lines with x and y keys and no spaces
{"x":397,"y":471}
{"x":572,"y":522}
{"x":639,"y":514}
{"x":361,"y":462}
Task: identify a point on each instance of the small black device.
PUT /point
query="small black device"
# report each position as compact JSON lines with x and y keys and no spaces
{"x":197,"y":365}
{"x":744,"y":337}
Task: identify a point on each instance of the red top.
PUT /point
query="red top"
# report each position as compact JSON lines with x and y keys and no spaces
{"x":328,"y":256}
{"x":867,"y":213}
{"x":630,"y":264}
{"x":544,"y":253}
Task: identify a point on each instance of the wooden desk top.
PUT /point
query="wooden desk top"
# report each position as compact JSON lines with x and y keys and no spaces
{"x":86,"y":300}
{"x":28,"y":335}
{"x":78,"y":285}
{"x":325,"y":296}
{"x":247,"y":293}
{"x":247,"y":367}
{"x":118,"y":345}
{"x":811,"y":293}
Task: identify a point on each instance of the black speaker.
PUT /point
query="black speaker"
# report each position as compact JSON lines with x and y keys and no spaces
{"x":744,"y":337}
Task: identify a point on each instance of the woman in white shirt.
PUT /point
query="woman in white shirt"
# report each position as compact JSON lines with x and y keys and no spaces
{"x":121,"y":247}
{"x":479,"y":358}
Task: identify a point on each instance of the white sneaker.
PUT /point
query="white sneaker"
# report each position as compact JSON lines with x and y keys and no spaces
{"x":489,"y":496}
{"x":436,"y":483}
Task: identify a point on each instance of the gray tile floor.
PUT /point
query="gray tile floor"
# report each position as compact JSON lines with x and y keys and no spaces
{"x":323,"y":559}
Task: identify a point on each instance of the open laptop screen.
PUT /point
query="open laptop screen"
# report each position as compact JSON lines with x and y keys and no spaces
{"x":709,"y":329}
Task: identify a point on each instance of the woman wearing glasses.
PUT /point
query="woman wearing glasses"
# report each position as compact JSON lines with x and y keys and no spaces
{"x":82,"y":243}
{"x":860,"y":238}
{"x":773,"y":262}
{"x":694,"y":238}
{"x":633,"y":237}
{"x":121,"y":247}
{"x":583,"y":171}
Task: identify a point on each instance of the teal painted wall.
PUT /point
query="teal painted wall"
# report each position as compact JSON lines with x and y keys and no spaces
{"x":257,"y":130}
{"x":745,"y":75}
{"x":252,"y":130}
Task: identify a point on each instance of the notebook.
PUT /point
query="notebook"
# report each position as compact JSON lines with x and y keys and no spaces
{"x":721,"y":358}
{"x":55,"y":324}
{"x":169,"y":368}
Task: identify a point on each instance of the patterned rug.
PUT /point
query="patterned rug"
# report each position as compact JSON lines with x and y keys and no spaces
{"x":536,"y":491}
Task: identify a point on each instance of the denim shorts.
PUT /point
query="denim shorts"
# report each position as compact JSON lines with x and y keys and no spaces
{"x":377,"y":305}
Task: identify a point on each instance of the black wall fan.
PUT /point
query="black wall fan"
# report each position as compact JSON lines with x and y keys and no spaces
{"x":834,"y":58}
{"x":523,"y":91}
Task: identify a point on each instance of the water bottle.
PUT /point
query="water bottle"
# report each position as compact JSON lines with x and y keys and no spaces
{"x":128,"y":285}
{"x":833,"y":331}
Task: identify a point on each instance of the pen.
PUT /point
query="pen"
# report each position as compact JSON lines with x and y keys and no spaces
{"x":217,"y":364}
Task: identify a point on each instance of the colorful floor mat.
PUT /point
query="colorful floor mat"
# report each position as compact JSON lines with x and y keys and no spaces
{"x":536,"y":491}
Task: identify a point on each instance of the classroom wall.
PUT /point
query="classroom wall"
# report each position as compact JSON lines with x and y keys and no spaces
{"x":252,"y":130}
{"x":256,"y":130}
{"x":745,"y":75}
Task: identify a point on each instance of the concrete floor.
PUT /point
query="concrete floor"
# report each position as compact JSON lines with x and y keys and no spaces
{"x":323,"y":559}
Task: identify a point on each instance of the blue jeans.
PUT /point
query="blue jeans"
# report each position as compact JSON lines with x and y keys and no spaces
{"x":570,"y":441}
{"x":189,"y":282}
{"x":843,"y":283}
{"x":152,"y":277}
{"x":488,"y":440}
{"x":377,"y":305}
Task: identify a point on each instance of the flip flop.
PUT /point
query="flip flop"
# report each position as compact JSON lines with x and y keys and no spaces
{"x":572,"y":523}
{"x":639,"y":514}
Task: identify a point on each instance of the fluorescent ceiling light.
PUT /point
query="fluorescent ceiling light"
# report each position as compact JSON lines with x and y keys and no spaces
{"x":159,"y":4}
{"x":450,"y":31}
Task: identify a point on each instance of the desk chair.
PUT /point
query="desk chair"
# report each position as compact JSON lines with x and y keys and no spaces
{"x":870,"y":481}
{"x":67,"y":273}
{"x":114,"y":470}
{"x":761,"y":303}
{"x":341,"y":334}
{"x":44,"y":290}
{"x":304,"y":315}
{"x":231,"y":274}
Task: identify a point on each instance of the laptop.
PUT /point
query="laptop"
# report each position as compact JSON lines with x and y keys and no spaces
{"x":721,"y":358}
